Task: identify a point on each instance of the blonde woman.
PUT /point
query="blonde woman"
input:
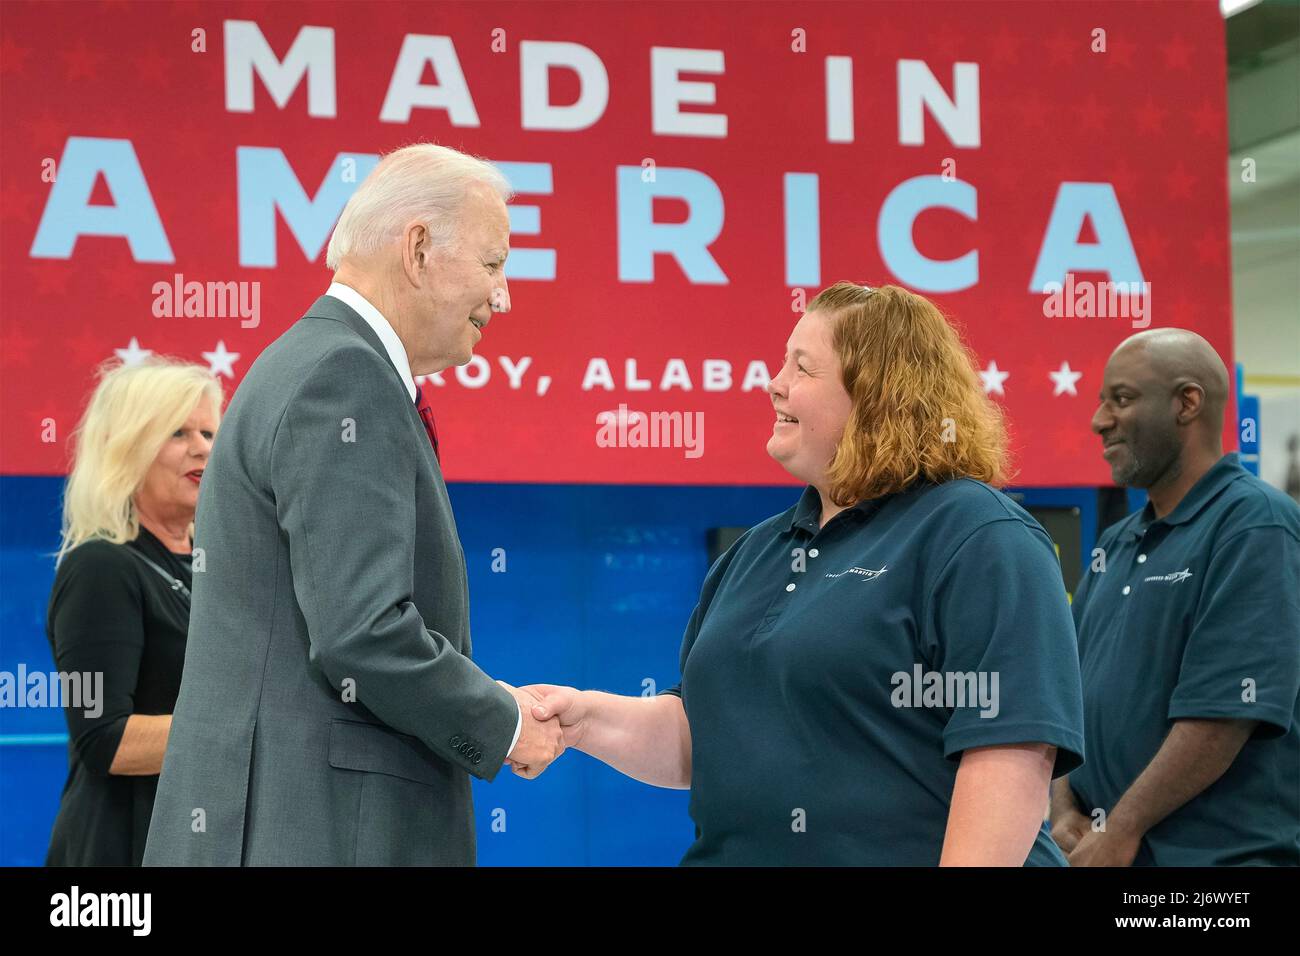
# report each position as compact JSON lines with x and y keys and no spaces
{"x":120,"y":601}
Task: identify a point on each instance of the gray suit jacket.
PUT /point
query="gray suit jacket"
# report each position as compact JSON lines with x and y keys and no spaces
{"x":329,"y":711}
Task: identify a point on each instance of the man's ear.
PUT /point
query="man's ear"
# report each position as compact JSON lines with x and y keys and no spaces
{"x":1191,"y":402}
{"x":415,"y":252}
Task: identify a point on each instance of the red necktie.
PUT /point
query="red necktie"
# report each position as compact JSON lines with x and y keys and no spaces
{"x":426,"y":416}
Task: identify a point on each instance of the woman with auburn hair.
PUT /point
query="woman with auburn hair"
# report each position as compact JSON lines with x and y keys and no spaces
{"x":120,"y":602}
{"x":886,"y":673}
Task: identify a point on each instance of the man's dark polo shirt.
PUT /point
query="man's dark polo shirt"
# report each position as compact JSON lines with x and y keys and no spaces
{"x":1197,"y":615}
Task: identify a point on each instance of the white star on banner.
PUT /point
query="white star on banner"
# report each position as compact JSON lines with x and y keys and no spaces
{"x":1064,"y":380}
{"x":993,"y":379}
{"x":220,"y":362}
{"x":133,"y":354}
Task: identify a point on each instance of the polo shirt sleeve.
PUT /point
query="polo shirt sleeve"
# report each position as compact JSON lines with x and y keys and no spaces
{"x":998,"y":608}
{"x":711,"y":582}
{"x":1242,"y":658}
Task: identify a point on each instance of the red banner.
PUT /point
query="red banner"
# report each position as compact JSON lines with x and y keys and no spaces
{"x":688,"y":175}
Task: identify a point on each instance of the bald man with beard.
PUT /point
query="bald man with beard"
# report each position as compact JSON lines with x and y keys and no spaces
{"x":1188,"y":621}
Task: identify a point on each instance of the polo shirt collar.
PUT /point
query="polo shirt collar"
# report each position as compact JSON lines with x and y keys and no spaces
{"x":1223,"y":473}
{"x":807,"y":513}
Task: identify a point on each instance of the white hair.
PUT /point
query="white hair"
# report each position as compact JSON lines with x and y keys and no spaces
{"x":425,"y":182}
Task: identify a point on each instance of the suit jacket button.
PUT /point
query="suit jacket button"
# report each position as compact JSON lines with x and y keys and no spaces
{"x":455,"y":742}
{"x":478,"y":756}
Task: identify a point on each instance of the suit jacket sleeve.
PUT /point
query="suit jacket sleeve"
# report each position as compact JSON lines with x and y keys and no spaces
{"x":344,"y":471}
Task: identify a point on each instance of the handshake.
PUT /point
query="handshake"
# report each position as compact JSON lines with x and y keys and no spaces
{"x":553,"y":721}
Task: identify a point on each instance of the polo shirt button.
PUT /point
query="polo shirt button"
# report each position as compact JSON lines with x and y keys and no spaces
{"x":812,"y":553}
{"x":1142,"y":559}
{"x":789,"y":587}
{"x":1127,"y":589}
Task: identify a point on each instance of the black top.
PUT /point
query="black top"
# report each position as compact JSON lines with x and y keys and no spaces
{"x":112,"y":613}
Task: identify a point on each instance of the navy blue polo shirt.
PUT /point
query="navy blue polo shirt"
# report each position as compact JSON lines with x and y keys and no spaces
{"x":833,"y":676}
{"x":1197,"y":615}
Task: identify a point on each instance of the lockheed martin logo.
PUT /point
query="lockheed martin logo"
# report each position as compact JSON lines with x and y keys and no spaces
{"x":1172,"y":576}
{"x":865,"y":573}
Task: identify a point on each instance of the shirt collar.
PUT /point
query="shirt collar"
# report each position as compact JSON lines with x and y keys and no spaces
{"x":808,"y":512}
{"x":1223,"y":473}
{"x":375,"y":319}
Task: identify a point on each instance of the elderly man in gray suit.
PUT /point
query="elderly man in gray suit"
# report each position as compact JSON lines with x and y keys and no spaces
{"x":330,"y":712}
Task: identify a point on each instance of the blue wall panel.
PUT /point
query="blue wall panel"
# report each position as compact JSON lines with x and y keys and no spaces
{"x":598,"y":584}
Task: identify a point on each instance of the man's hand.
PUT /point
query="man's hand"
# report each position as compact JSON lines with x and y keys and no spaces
{"x":1069,"y":826}
{"x":1069,"y":823}
{"x":1113,"y":847}
{"x":540,"y":740}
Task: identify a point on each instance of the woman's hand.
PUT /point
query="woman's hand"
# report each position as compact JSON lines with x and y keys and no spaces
{"x":569,"y":704}
{"x":647,"y":738}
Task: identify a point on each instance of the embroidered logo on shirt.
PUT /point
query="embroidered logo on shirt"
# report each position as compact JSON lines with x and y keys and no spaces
{"x":1173,"y":576}
{"x":865,"y":573}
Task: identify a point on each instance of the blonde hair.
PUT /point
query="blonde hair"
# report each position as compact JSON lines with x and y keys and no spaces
{"x":423,"y":181}
{"x":132,"y":412}
{"x":919,"y":408}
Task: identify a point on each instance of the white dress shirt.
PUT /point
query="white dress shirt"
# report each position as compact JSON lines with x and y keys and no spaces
{"x":397,"y":352}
